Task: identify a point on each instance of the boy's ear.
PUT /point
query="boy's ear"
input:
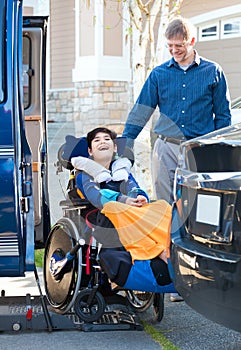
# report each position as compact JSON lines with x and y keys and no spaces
{"x":90,"y":151}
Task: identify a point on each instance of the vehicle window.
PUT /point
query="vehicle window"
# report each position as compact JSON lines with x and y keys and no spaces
{"x":2,"y":48}
{"x":27,"y":71}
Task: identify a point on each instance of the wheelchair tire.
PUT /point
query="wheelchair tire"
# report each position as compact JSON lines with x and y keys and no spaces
{"x":61,"y":292}
{"x":158,"y":305}
{"x":140,"y":301}
{"x":94,"y":311}
{"x":64,"y":162}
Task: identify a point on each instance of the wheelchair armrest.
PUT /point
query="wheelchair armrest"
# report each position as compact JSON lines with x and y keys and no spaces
{"x":74,"y":203}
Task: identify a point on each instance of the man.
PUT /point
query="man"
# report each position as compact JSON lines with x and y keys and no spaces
{"x":192,"y":95}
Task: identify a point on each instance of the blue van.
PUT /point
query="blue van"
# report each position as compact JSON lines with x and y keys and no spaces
{"x":24,"y":208}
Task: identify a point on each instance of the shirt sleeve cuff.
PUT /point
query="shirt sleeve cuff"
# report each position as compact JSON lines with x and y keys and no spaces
{"x":121,"y":198}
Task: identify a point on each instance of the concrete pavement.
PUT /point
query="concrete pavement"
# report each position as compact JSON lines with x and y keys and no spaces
{"x":189,"y":330}
{"x":182,"y":326}
{"x":186,"y":329}
{"x":65,"y":339}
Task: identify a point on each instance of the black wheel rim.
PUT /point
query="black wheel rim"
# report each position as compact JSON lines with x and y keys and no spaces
{"x":58,"y":290}
{"x":89,"y":312}
{"x":140,"y":301}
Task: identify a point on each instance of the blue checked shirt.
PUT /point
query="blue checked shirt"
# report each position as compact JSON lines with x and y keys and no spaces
{"x":191,"y":102}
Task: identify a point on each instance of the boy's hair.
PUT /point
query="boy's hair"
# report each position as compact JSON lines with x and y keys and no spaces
{"x":180,"y":26}
{"x":91,"y":134}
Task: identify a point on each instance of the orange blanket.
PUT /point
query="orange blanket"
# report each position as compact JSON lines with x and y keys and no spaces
{"x":144,"y":231}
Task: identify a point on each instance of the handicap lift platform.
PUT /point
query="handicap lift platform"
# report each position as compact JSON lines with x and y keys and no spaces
{"x":33,"y":313}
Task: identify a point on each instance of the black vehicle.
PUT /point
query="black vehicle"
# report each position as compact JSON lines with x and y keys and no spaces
{"x":206,"y":237}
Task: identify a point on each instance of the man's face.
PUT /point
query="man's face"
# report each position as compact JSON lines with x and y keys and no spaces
{"x":181,"y":50}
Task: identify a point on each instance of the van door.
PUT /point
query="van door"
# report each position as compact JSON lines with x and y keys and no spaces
{"x":34,"y":94}
{"x":16,"y":208}
{"x":24,"y":209}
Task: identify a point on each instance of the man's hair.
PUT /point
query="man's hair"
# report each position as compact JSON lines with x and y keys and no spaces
{"x":180,"y":26}
{"x":91,"y":135}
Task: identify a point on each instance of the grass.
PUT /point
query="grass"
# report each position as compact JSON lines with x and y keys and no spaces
{"x":39,"y":257}
{"x":159,"y":337}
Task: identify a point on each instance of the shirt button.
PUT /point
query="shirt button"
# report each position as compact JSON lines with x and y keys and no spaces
{"x":184,"y":98}
{"x":184,"y":85}
{"x":182,"y":125}
{"x":183,"y":112}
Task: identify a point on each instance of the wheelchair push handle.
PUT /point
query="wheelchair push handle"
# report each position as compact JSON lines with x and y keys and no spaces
{"x":71,"y":254}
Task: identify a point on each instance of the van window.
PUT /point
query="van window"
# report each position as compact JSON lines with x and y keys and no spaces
{"x":2,"y":48}
{"x":27,"y":71}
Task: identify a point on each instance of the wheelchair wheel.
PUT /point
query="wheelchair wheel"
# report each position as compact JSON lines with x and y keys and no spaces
{"x":62,"y":290}
{"x":66,"y":163}
{"x":140,"y":301}
{"x":89,"y":312}
{"x":158,"y":305}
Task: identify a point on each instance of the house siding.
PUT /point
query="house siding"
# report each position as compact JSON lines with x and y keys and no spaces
{"x":226,"y":52}
{"x":198,"y":7}
{"x":81,"y":104}
{"x":62,"y":43}
{"x":112,"y":33}
{"x":231,"y":63}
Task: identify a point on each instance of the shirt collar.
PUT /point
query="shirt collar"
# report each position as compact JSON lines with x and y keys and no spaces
{"x":196,"y":61}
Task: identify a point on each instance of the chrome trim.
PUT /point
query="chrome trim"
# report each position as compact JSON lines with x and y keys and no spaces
{"x":9,"y":152}
{"x":217,"y":181}
{"x":9,"y":245}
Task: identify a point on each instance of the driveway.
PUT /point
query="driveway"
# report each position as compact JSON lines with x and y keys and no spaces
{"x":182,"y":326}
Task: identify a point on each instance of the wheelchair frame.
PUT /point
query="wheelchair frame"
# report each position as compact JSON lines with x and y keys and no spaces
{"x":72,"y":274}
{"x":65,"y":263}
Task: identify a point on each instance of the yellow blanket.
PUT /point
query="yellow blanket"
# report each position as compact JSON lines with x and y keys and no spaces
{"x":144,"y":231}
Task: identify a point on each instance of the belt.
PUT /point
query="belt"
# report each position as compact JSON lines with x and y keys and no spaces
{"x":171,"y":140}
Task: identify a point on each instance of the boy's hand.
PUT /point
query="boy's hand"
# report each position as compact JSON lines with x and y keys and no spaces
{"x":139,"y":201}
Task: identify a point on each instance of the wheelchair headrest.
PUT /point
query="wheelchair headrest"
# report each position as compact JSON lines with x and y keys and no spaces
{"x":75,"y":147}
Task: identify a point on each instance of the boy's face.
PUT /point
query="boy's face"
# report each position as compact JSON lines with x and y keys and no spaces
{"x":102,"y":147}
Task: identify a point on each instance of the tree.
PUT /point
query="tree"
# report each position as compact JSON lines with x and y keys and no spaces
{"x":148,"y":21}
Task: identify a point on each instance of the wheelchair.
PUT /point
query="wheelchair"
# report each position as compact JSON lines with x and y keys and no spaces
{"x":73,"y":277}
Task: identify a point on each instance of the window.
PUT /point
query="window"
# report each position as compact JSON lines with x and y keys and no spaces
{"x":231,"y":28}
{"x":27,"y":71}
{"x":223,"y":29}
{"x":209,"y":32}
{"x":2,"y":49}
